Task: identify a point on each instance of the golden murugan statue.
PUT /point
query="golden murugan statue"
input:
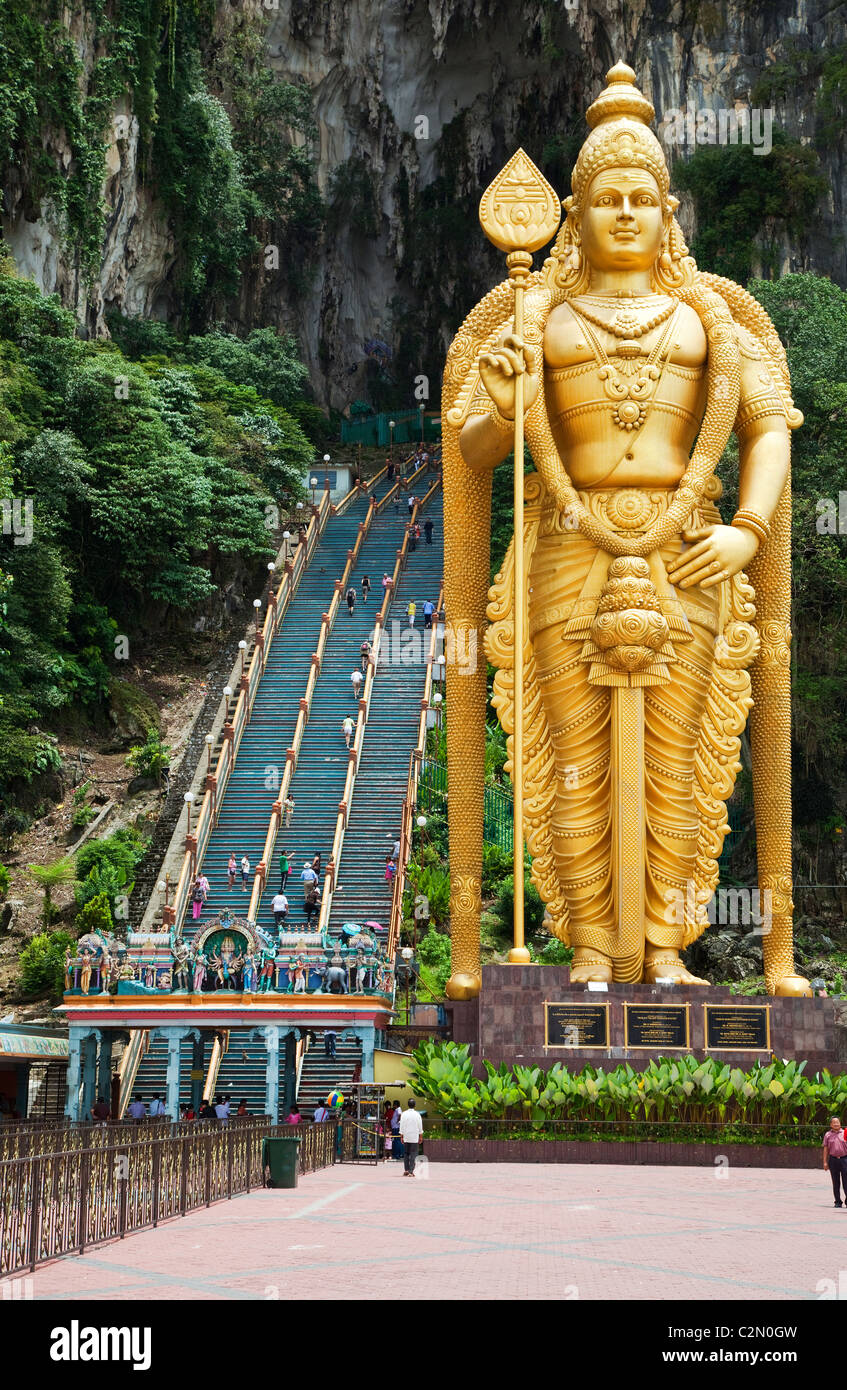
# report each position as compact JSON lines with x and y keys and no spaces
{"x":645,"y":643}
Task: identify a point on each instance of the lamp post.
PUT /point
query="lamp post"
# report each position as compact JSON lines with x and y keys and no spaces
{"x":188,"y":799}
{"x":436,"y":703}
{"x":209,"y":741}
{"x":299,"y":519}
{"x":421,"y":414}
{"x":271,"y":573}
{"x":391,"y":439}
{"x":314,"y":483}
{"x":227,"y":691}
{"x":326,"y":467}
{"x":242,"y":647}
{"x":441,"y":663}
{"x":257,"y":607}
{"x":286,"y":537}
{"x":408,"y":955}
{"x":162,"y":889}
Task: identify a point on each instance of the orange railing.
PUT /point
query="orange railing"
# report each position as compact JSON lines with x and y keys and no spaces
{"x":345,"y":804}
{"x":216,"y":783}
{"x":410,"y":800}
{"x":292,"y":754}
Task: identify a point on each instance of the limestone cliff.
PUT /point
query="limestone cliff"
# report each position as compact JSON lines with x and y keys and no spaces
{"x":417,"y":104}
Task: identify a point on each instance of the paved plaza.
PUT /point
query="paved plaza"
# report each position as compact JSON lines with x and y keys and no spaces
{"x":478,"y":1231}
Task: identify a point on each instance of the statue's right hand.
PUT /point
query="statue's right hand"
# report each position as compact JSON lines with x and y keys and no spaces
{"x":500,"y":369}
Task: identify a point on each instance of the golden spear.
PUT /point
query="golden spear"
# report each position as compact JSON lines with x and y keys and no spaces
{"x":519,"y":213}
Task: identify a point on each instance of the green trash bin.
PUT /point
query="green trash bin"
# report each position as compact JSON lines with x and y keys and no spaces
{"x":281,"y":1162}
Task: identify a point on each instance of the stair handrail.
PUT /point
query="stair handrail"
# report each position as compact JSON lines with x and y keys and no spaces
{"x":139,"y":1042}
{"x":293,"y":752}
{"x":345,"y":805}
{"x":216,"y":783}
{"x":219,"y":1047}
{"x":411,"y":799}
{"x":406,"y":482}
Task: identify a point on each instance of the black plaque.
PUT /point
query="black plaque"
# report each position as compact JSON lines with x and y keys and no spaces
{"x":576,"y":1025}
{"x":659,"y":1027}
{"x":737,"y":1027}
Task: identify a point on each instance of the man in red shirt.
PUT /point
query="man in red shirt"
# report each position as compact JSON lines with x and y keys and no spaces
{"x":835,"y":1158}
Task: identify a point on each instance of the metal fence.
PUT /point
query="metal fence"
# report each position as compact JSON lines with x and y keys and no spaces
{"x":498,"y":808}
{"x":127,"y":1180}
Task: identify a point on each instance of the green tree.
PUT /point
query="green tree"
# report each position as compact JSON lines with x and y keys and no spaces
{"x":49,"y":877}
{"x":42,"y":962}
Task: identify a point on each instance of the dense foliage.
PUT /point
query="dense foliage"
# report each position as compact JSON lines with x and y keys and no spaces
{"x":151,"y":472}
{"x":683,"y":1089}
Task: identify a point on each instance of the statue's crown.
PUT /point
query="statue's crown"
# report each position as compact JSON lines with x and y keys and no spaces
{"x":620,"y":135}
{"x":620,"y":98}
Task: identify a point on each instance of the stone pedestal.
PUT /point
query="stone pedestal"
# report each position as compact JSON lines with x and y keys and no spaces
{"x":507,"y":1022}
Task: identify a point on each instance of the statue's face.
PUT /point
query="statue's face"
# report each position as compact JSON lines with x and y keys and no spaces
{"x":621,"y":226}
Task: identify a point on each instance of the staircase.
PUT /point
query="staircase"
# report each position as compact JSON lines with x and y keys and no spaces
{"x":253,"y":785}
{"x":321,"y":1074}
{"x":362,"y":893}
{"x":318,"y":783}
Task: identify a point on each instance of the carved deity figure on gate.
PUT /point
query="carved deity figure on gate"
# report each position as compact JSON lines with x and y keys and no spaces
{"x":652,"y":626}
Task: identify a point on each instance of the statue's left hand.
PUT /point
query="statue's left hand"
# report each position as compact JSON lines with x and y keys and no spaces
{"x":716,"y":553}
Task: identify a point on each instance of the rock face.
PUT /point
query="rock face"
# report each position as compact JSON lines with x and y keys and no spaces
{"x":416,"y":91}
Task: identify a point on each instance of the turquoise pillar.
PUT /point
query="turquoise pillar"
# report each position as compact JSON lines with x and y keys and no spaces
{"x":271,"y":1035}
{"x":104,"y":1069}
{"x":174,"y":1037}
{"x":22,"y":1088}
{"x":89,"y":1071}
{"x":74,"y":1048}
{"x":368,"y":1042}
{"x":197,"y":1065}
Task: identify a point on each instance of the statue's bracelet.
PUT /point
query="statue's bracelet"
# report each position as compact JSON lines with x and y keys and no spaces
{"x":751,"y":521}
{"x":503,"y":425}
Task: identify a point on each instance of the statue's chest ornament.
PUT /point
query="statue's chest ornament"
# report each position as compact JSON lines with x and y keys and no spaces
{"x":631,"y":386}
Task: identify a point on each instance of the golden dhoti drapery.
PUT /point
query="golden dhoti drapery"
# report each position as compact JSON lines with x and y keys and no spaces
{"x":690,"y":722}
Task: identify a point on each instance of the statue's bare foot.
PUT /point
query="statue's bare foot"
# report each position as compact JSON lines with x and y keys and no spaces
{"x":666,"y":965}
{"x":590,"y":965}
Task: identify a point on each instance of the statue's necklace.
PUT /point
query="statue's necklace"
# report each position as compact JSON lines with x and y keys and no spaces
{"x":631,"y":399}
{"x":627,"y":325}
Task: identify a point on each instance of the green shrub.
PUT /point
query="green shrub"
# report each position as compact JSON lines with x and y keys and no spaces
{"x":533,"y":906}
{"x":95,"y":916}
{"x":555,"y":953}
{"x":5,"y":880}
{"x":496,"y":866}
{"x":679,"y":1089}
{"x":42,"y":962}
{"x":52,"y":876}
{"x":435,"y":952}
{"x":150,"y":759}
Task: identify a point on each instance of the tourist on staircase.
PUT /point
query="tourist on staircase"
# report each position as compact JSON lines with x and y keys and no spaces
{"x":245,"y":870}
{"x":231,"y":871}
{"x":284,"y":870}
{"x":351,"y":599}
{"x":366,"y":587}
{"x":356,"y":682}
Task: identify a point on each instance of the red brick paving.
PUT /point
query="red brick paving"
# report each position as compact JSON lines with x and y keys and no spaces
{"x":478,"y":1231}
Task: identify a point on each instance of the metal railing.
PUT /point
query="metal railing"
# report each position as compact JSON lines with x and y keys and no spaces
{"x":498,"y":806}
{"x":264,"y":867}
{"x":61,"y":1203}
{"x":216,"y":782}
{"x":354,"y":757}
{"x":411,"y":797}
